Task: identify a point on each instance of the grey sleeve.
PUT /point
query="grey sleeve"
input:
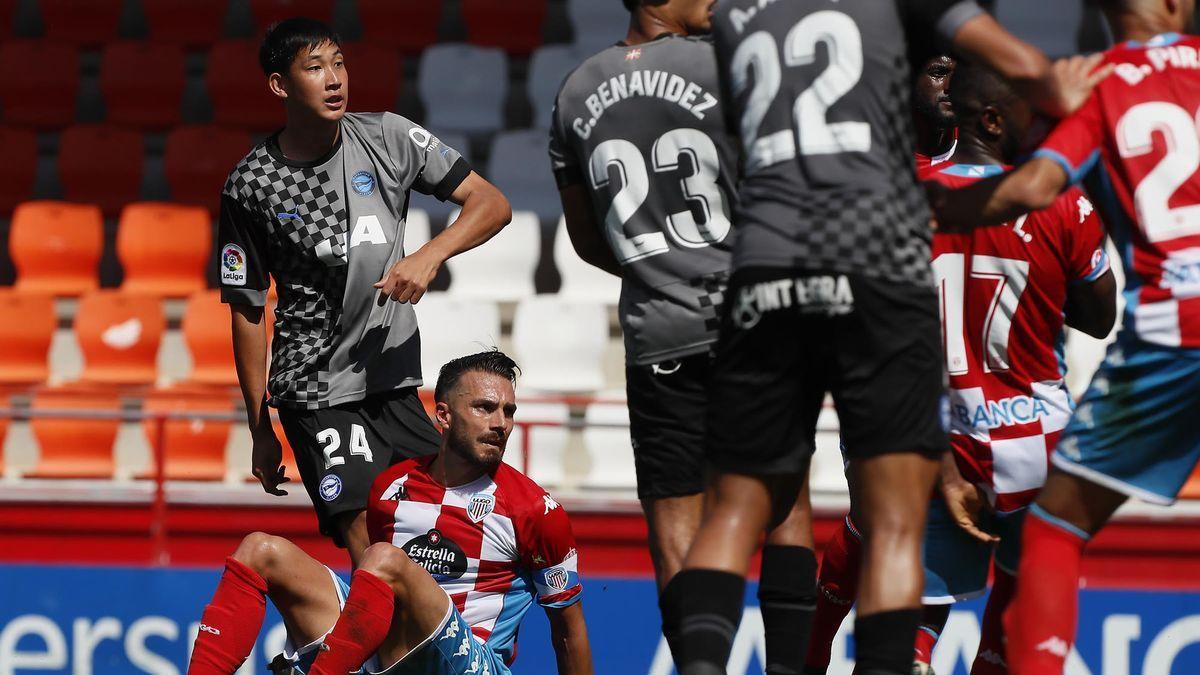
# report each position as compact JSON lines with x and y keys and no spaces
{"x":242,"y":264}
{"x":562,"y":161}
{"x":939,"y":19}
{"x":423,"y":162}
{"x":955,"y":17}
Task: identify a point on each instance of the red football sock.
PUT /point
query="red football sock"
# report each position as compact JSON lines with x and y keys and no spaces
{"x":360,"y":629}
{"x":1040,"y":624}
{"x":230,"y":623}
{"x":923,"y":645}
{"x":837,"y":588}
{"x":989,"y":660}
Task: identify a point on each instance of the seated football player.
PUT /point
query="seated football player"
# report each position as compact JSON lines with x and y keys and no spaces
{"x":456,"y":538}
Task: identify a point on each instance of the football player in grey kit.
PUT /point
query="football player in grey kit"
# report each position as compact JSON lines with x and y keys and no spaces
{"x":647,"y":171}
{"x":320,"y":206}
{"x":831,"y":292}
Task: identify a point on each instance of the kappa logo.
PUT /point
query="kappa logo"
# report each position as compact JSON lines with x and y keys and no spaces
{"x":1055,"y":645}
{"x":233,"y":265}
{"x":993,"y":658}
{"x":209,"y":629}
{"x":556,"y":578}
{"x":1085,"y":208}
{"x":481,"y":506}
{"x":451,"y":631}
{"x":550,"y":504}
{"x":396,"y":492}
{"x":464,"y":647}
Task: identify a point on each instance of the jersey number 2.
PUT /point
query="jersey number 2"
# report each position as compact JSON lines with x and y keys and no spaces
{"x":1010,"y":278}
{"x":1181,"y":132}
{"x":816,"y":135}
{"x":331,"y":441}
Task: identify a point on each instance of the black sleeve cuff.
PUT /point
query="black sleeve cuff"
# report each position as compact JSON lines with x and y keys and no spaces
{"x":567,"y":176}
{"x":243,"y":296}
{"x":453,"y":178}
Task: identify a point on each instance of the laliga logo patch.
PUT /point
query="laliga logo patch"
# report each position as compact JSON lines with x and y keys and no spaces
{"x":330,"y":488}
{"x":481,"y":505}
{"x":556,"y":578}
{"x":233,"y":265}
{"x":363,"y":183}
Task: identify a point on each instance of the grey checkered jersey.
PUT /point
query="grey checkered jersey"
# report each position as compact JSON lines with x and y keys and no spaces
{"x":642,"y":128}
{"x":819,"y":93}
{"x":326,"y":231}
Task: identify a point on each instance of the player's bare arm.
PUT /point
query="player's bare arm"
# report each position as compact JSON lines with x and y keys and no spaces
{"x":485,"y":211}
{"x":1092,"y":307}
{"x":568,"y":633}
{"x":1032,"y":187}
{"x":585,"y":232}
{"x":1056,"y":89}
{"x":250,"y":358}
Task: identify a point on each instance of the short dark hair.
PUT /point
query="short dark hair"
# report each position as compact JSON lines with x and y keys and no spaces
{"x":976,"y":86}
{"x":492,"y":361}
{"x":631,"y":4}
{"x":284,"y":39}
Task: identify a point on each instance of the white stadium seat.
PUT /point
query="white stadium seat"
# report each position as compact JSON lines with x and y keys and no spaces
{"x":609,"y":448}
{"x":520,"y":167}
{"x":501,"y":269}
{"x":463,"y":87}
{"x":416,"y":230}
{"x":547,"y":445}
{"x":560,"y":344}
{"x":452,"y":327}
{"x":581,"y":281}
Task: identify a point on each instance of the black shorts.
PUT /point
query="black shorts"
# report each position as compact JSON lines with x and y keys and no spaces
{"x":340,"y":450}
{"x":667,"y":403}
{"x":788,"y":337}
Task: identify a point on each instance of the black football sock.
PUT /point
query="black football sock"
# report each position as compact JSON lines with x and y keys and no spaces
{"x":787,"y":595}
{"x":883,"y":642}
{"x":712,"y":606}
{"x":669,"y":608}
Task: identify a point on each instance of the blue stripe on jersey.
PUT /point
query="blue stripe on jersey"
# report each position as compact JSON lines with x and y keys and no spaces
{"x":1101,"y":268}
{"x":1163,"y":40}
{"x":1121,"y":227}
{"x":973,"y":170}
{"x":1061,"y":524}
{"x":517,"y":602}
{"x":1074,"y":173}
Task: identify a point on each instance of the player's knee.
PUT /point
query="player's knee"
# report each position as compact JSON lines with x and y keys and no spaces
{"x":388,"y":563}
{"x":894,"y":525}
{"x":260,"y":552}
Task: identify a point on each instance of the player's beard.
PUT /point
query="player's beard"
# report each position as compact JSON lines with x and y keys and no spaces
{"x":476,"y":450}
{"x":932,"y":112}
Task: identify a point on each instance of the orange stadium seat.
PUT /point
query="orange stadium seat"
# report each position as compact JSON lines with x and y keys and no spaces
{"x":193,"y":449}
{"x":408,"y":25}
{"x":199,"y":158}
{"x":1191,"y":489}
{"x":101,"y":164}
{"x":119,"y":334}
{"x":512,"y":25}
{"x":238,"y":89}
{"x":384,"y":70}
{"x":27,"y":324}
{"x":164,"y":248}
{"x":267,"y":12}
{"x":74,"y":448}
{"x":206,"y":331}
{"x":185,"y":22}
{"x":56,"y":246}
{"x":42,"y":97}
{"x":289,"y":459}
{"x":143,"y":83}
{"x":19,"y":168}
{"x":87,"y":23}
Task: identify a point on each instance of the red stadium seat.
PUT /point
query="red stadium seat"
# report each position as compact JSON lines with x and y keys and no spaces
{"x":74,"y":448}
{"x":143,"y":83}
{"x":238,"y":88}
{"x":267,"y":12}
{"x":381,"y":73}
{"x":198,"y":160}
{"x":407,"y":25}
{"x":19,"y":168}
{"x":43,"y":96}
{"x":185,"y":22}
{"x":86,"y":23}
{"x":101,"y":164}
{"x":193,"y":449}
{"x":512,"y":25}
{"x":119,"y":334}
{"x":206,"y":331}
{"x":27,"y":324}
{"x":7,"y":9}
{"x":164,"y":248}
{"x":56,"y":247}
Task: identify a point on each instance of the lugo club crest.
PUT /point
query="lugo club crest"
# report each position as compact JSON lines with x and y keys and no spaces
{"x":480,"y":506}
{"x":440,"y":556}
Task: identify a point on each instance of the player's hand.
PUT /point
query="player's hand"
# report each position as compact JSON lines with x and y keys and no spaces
{"x":409,"y":278}
{"x":966,"y":504}
{"x":266,"y":458}
{"x":1071,"y":81}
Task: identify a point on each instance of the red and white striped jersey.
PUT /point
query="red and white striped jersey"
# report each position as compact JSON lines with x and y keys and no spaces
{"x":494,"y":545}
{"x":1002,"y":290}
{"x":1136,"y":144}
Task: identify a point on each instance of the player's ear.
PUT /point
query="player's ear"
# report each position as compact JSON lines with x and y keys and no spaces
{"x":441,"y":415}
{"x":992,"y":121}
{"x":276,"y":84}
